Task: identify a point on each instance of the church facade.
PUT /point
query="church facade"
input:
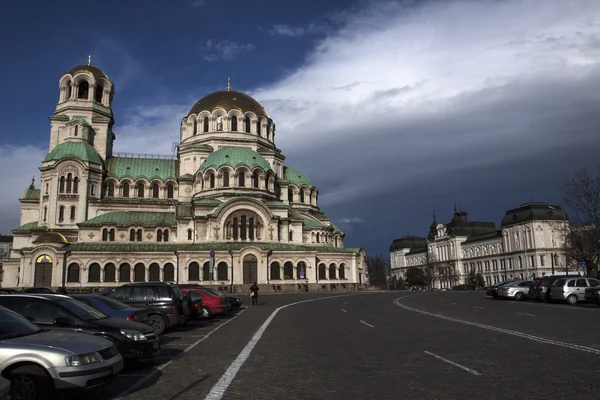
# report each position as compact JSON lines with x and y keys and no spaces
{"x":529,"y":244}
{"x":225,"y":210}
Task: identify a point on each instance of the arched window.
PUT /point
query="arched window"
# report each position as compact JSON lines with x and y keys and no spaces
{"x":154,"y":273}
{"x":72,"y":213}
{"x":125,"y":273}
{"x":247,"y":124}
{"x":94,"y":273}
{"x":206,"y":271}
{"x":255,"y":179}
{"x":234,"y":123}
{"x":111,"y":189}
{"x":111,"y":235}
{"x":139,"y":273}
{"x":267,"y":183}
{"x":84,"y":89}
{"x":242,"y":179}
{"x":205,"y":127}
{"x":166,"y":235}
{"x":251,"y":229}
{"x":322,"y":271}
{"x":69,"y":182}
{"x":301,"y":196}
{"x":125,"y":189}
{"x":104,"y":235}
{"x":290,"y":194}
{"x":222,"y":271}
{"x":140,"y":190}
{"x":169,"y":191}
{"x":109,"y":272}
{"x":132,"y":235}
{"x":98,"y":93}
{"x":342,"y":274}
{"x":61,"y":185}
{"x":291,"y":236}
{"x":76,"y":185}
{"x":258,"y":132}
{"x":225,"y":179}
{"x":73,"y":273}
{"x":189,"y":234}
{"x":76,"y":130}
{"x":301,"y":270}
{"x":159,"y":235}
{"x":155,"y":191}
{"x":318,"y":237}
{"x":235,"y":229}
{"x":138,"y":235}
{"x":194,"y":272}
{"x":69,"y":90}
{"x":332,"y":270}
{"x":169,"y":272}
{"x":195,"y":126}
{"x":45,"y":213}
{"x":61,"y":213}
{"x":288,"y":270}
{"x":243,"y":227}
{"x":212,"y":181}
{"x":275,"y":270}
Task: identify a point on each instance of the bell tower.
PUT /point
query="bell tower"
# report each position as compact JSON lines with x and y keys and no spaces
{"x":84,"y":109}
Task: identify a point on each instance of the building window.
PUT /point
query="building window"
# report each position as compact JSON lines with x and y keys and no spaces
{"x":251,"y":229}
{"x":138,"y":235}
{"x":61,"y":213}
{"x":92,"y":190}
{"x":111,"y":189}
{"x":255,"y":180}
{"x":159,"y":235}
{"x":83,"y":90}
{"x":248,"y":125}
{"x":225,"y":179}
{"x":234,"y":123}
{"x":45,"y":214}
{"x":166,"y":235}
{"x":69,"y":182}
{"x":195,"y":126}
{"x":291,"y":236}
{"x":111,"y":235}
{"x":290,"y":194}
{"x":243,"y":228}
{"x":126,"y":190}
{"x":542,"y":261}
{"x":140,"y":190}
{"x":104,"y":235}
{"x":241,"y":179}
{"x":155,"y":191}
{"x":73,"y":273}
{"x":132,"y":235}
{"x":189,"y":231}
{"x":72,"y":213}
{"x":301,"y":196}
{"x":532,"y":261}
{"x":205,"y":125}
{"x":235,"y":229}
{"x":169,"y":191}
{"x":212,"y":181}
{"x":61,"y":185}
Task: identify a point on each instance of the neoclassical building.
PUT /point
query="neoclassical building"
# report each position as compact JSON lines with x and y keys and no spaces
{"x":226,"y":203}
{"x":529,"y":244}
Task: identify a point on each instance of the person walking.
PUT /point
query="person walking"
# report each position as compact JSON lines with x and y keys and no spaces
{"x":254,"y":293}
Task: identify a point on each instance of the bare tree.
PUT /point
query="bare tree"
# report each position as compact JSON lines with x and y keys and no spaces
{"x":431,"y":270}
{"x":581,"y":237}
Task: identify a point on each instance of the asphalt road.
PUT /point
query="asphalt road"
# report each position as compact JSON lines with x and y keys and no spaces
{"x":394,"y":345}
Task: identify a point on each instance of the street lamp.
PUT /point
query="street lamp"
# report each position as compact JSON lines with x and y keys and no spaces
{"x":269,"y":253}
{"x":66,"y":254}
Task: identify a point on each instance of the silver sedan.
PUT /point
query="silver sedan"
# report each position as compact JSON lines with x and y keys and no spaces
{"x":518,"y":290}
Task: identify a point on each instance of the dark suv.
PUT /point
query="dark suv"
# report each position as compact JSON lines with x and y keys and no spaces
{"x":163,"y":300}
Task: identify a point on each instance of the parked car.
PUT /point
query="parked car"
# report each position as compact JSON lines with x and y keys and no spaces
{"x":38,"y":290}
{"x":572,"y":290}
{"x":518,"y":290}
{"x":235,"y":302}
{"x":197,"y":302}
{"x":592,"y":295}
{"x":63,"y":313}
{"x":114,"y":308}
{"x":212,"y":302}
{"x":37,"y":361}
{"x":540,"y":288}
{"x":164,"y":301}
{"x":493,"y":289}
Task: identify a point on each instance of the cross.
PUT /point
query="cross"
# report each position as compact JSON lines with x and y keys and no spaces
{"x":89,"y":60}
{"x":228,"y":84}
{"x":271,"y":229}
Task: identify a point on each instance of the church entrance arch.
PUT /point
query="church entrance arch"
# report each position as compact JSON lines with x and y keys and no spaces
{"x":43,"y":271}
{"x":250,"y":269}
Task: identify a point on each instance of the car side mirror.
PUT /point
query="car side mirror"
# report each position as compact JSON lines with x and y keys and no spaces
{"x":63,"y":321}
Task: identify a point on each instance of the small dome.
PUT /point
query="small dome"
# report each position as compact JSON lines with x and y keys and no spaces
{"x":228,"y":100}
{"x":80,"y":150}
{"x":51,"y":237}
{"x":234,"y":157}
{"x":89,"y":69}
{"x":296,"y":177}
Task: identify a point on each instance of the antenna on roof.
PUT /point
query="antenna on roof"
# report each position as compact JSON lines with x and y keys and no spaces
{"x":89,"y":60}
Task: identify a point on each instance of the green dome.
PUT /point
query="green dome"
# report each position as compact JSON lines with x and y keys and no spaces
{"x":81,"y":150}
{"x":234,"y":157}
{"x":296,"y":177}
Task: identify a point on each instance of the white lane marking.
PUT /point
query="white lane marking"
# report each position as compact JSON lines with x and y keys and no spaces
{"x":219,"y":389}
{"x":453,"y":304}
{"x":469,"y":370}
{"x":369,"y":325}
{"x":585,"y":349}
{"x":481,"y":308}
{"x":159,"y":368}
{"x":345,"y":311}
{"x":521,"y":313}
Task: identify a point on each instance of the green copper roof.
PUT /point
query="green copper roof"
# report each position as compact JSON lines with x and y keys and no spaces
{"x":336,"y":229}
{"x":186,"y":177}
{"x":171,"y":247}
{"x":296,"y":177}
{"x":306,"y":221}
{"x":82,"y":121}
{"x":234,"y":157}
{"x":148,"y":168}
{"x":276,"y":204}
{"x":79,"y":149}
{"x":239,"y":198}
{"x":132,"y":218}
{"x":31,"y":194}
{"x":28,"y":227}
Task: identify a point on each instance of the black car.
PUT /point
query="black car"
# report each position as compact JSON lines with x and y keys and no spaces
{"x":60,"y":312}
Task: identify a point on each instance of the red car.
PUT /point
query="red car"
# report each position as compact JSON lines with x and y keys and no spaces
{"x":212,"y":302}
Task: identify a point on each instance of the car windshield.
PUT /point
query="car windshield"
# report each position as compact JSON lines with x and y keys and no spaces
{"x":112,"y":303}
{"x":81,"y":310}
{"x":13,"y":325}
{"x":177,"y":291}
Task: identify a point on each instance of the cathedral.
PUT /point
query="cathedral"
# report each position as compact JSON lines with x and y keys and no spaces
{"x":224,"y":210}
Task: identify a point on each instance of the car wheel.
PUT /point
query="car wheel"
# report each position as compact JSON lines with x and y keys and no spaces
{"x":572,"y":299}
{"x":519,"y":296}
{"x":30,"y":383}
{"x":206,"y":313}
{"x":157,"y":322}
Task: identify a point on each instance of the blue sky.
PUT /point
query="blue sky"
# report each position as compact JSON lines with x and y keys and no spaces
{"x":393,"y":108}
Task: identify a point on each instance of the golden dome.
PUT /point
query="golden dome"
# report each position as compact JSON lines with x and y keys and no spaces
{"x":228,"y":100}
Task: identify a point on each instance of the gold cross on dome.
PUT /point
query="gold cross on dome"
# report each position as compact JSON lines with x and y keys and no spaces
{"x":228,"y":84}
{"x":89,"y":60}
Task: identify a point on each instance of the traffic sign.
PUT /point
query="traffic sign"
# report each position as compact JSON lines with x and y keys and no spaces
{"x":582,"y":264}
